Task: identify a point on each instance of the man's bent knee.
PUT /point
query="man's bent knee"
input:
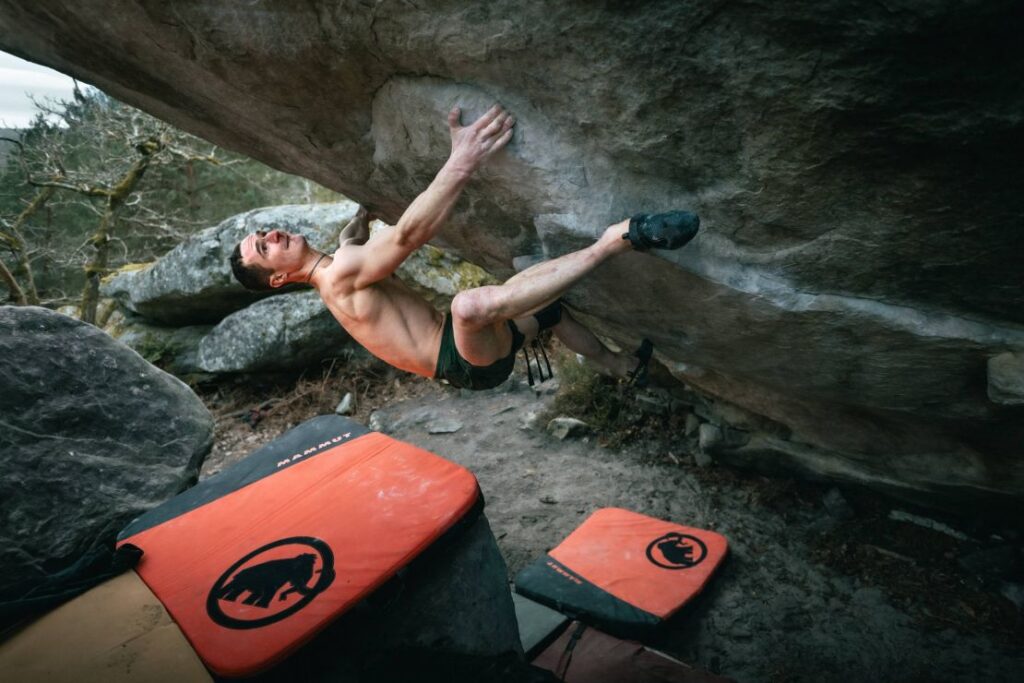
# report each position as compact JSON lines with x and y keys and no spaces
{"x":475,"y":308}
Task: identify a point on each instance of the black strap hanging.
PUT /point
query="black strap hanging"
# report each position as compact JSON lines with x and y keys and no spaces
{"x":538,"y":345}
{"x":566,"y":659}
{"x":538,"y":351}
{"x":529,"y":372}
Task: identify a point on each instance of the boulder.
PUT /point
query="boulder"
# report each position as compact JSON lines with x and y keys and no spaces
{"x":92,"y":436}
{"x":285,"y":332}
{"x":859,"y":257}
{"x":192,"y":284}
{"x":174,"y":349}
{"x":563,"y":428}
{"x":344,"y":406}
{"x":439,"y":275}
{"x":709,"y":437}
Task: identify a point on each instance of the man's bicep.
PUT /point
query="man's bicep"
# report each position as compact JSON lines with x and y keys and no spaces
{"x":375,"y":260}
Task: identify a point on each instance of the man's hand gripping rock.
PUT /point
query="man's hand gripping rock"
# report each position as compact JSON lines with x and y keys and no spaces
{"x":474,"y":144}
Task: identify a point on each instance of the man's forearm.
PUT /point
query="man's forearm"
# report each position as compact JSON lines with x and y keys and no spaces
{"x":471,"y":146}
{"x":427,"y":214}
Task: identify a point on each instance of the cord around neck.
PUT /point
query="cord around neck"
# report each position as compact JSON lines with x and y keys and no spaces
{"x":313,"y":269}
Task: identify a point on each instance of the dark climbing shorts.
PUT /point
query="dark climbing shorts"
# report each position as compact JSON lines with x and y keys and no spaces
{"x":461,"y":373}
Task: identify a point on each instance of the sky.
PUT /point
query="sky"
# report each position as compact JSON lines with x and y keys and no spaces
{"x":18,"y":79}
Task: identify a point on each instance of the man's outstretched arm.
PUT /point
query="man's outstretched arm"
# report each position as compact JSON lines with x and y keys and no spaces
{"x":472,"y":145}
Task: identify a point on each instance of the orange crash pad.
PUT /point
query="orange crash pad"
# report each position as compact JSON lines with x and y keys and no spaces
{"x":624,"y":572}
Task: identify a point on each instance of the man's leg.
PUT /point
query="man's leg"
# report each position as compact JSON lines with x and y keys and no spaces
{"x":582,"y":341}
{"x":479,"y":316}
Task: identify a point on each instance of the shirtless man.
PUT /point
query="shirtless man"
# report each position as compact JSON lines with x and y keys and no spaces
{"x":475,"y":345}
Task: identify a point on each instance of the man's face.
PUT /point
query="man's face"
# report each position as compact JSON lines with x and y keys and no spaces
{"x":277,"y":251}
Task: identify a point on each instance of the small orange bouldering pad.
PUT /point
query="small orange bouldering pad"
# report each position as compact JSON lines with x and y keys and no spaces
{"x":623,"y":571}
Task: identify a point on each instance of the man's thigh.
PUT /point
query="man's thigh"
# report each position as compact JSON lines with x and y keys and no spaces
{"x":488,"y":344}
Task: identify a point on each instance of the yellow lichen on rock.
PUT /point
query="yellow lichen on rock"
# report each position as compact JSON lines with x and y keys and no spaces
{"x":126,"y":268}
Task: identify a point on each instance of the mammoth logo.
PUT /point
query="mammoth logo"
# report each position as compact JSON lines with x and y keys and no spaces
{"x":274,"y":580}
{"x":676,"y":551}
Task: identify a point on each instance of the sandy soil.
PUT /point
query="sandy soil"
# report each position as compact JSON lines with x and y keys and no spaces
{"x":810,"y":592}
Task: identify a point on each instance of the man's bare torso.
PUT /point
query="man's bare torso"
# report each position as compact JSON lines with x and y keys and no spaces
{"x":393,"y":322}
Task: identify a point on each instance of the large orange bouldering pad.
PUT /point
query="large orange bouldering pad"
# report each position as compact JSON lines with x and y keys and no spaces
{"x":254,"y":562}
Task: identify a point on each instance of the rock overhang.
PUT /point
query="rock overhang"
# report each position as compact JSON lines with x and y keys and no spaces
{"x":860,"y":245}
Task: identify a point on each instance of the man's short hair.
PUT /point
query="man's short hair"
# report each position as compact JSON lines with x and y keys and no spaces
{"x":251,"y":277}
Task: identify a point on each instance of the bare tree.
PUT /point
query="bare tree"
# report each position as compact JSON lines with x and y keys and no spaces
{"x":96,"y":184}
{"x":11,"y":237}
{"x":104,"y":165}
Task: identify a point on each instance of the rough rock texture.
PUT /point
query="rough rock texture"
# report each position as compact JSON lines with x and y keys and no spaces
{"x":91,"y":436}
{"x":1006,"y":378}
{"x":439,"y":275}
{"x":855,"y":164}
{"x":173,"y":349}
{"x":280,"y":333}
{"x":192,"y":284}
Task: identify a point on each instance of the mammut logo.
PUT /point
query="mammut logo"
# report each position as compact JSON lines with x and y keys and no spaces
{"x":333,"y":441}
{"x":558,"y":569}
{"x":275,"y":582}
{"x":675,"y":550}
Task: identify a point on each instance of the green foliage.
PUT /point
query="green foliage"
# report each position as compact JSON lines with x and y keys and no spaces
{"x":91,"y":141}
{"x":600,"y":401}
{"x":618,"y":412}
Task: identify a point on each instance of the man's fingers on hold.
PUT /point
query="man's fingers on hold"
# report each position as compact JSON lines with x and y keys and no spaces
{"x":495,"y":125}
{"x":453,"y":117}
{"x":503,"y":140}
{"x":486,"y":119}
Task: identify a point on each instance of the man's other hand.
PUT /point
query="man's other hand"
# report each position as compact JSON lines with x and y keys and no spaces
{"x":472,"y":145}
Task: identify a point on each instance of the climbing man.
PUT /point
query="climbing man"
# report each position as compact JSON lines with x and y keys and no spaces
{"x":474,"y":346}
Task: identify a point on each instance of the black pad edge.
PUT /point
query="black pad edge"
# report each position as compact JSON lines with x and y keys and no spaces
{"x":296,"y":445}
{"x":551,"y":583}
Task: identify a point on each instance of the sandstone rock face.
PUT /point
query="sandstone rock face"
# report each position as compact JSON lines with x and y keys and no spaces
{"x":193,"y":283}
{"x":855,"y":166}
{"x":91,"y":435}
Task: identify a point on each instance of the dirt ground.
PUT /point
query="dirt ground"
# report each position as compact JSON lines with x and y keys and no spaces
{"x":820,"y":585}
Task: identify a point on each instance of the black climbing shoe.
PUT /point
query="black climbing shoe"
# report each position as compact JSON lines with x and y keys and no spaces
{"x":662,"y":230}
{"x":638,"y":377}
